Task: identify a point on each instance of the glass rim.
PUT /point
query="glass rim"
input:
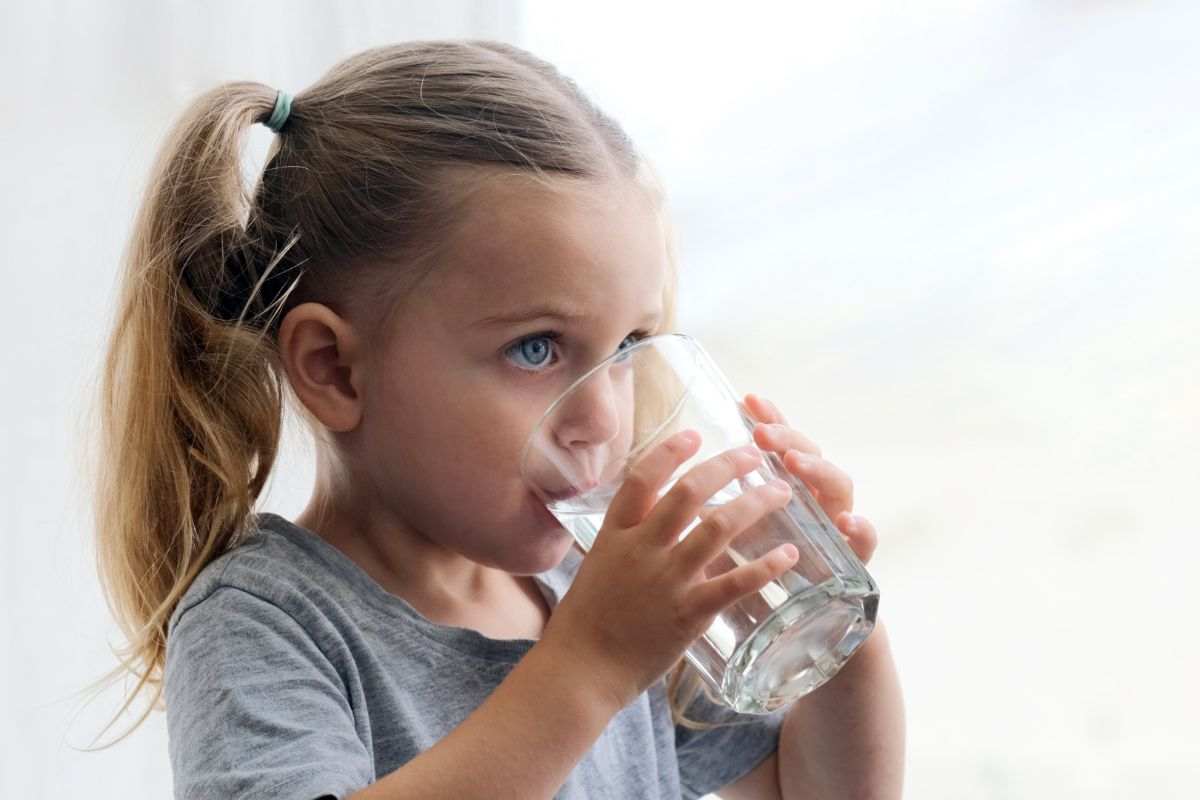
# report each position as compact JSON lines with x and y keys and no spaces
{"x":641,"y":344}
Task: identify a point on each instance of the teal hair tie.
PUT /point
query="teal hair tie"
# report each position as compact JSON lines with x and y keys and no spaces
{"x":279,"y":114}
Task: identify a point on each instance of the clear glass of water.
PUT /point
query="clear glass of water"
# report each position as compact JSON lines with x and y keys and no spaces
{"x":771,"y":647}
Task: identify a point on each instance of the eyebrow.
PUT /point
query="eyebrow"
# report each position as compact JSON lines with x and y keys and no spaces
{"x":544,"y":311}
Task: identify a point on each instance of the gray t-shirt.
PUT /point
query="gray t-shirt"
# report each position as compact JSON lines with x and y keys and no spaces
{"x":291,"y":673}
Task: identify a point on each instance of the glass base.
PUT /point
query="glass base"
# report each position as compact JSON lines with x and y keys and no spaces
{"x":800,"y":646}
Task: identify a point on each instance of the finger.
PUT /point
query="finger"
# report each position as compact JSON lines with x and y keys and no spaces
{"x":683,"y":502}
{"x":639,"y":491}
{"x":716,"y":593}
{"x":835,"y":490}
{"x":763,"y":409}
{"x":780,"y":438}
{"x":860,"y":535}
{"x":726,"y":522}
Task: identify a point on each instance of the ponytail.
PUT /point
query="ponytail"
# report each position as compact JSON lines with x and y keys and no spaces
{"x":190,"y":409}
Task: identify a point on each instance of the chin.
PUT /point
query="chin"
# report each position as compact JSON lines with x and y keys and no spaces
{"x":550,"y":549}
{"x":544,"y":543}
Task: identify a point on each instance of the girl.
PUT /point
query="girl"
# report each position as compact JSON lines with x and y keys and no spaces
{"x":445,"y":234}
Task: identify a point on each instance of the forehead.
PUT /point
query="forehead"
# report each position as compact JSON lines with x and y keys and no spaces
{"x":597,"y":248}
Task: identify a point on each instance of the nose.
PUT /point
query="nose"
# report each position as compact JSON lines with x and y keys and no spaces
{"x":593,"y":413}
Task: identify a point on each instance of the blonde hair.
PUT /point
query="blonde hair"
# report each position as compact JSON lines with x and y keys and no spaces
{"x":358,"y":192}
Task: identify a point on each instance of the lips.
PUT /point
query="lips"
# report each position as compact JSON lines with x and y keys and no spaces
{"x":569,"y":492}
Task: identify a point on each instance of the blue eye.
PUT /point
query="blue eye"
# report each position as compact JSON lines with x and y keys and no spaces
{"x":633,"y":339}
{"x":537,"y":348}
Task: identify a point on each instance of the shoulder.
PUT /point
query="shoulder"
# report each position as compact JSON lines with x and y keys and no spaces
{"x":272,"y":563}
{"x":254,"y":655}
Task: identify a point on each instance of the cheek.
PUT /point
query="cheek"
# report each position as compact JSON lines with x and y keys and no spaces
{"x":475,"y":452}
{"x":454,"y":436}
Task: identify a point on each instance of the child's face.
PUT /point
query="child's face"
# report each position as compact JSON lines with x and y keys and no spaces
{"x":453,"y":394}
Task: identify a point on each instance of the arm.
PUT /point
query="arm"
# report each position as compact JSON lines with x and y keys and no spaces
{"x":846,"y":740}
{"x":760,"y":783}
{"x":521,"y":743}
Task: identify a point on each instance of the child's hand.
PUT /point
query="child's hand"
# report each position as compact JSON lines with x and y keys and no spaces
{"x":641,"y":595}
{"x":831,"y":487}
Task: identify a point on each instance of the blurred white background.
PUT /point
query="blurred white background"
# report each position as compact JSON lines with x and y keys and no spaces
{"x":957,"y":243}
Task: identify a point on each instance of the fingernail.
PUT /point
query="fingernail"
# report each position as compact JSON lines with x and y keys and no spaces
{"x":779,"y":485}
{"x":788,"y":553}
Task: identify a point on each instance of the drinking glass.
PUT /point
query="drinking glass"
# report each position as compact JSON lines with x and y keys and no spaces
{"x":772,"y":646}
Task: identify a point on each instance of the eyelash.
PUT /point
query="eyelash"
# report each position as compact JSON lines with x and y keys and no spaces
{"x":555,"y":336}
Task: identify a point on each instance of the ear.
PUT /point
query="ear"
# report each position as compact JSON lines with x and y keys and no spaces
{"x":322,"y":356}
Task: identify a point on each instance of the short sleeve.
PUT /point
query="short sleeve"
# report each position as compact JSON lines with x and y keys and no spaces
{"x":254,"y":708}
{"x":712,"y":758}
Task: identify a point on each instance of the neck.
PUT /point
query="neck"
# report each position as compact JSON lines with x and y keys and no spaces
{"x":442,"y":585}
{"x":398,"y":558}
